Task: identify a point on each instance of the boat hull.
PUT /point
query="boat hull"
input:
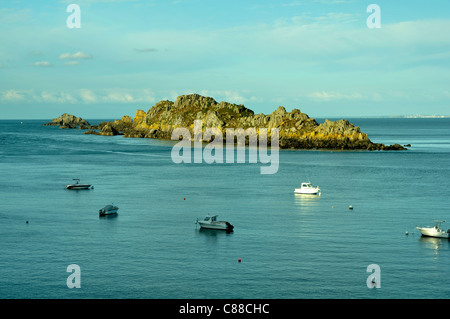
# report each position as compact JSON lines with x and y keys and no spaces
{"x":433,"y":232}
{"x":78,"y":186}
{"x":103,"y":212}
{"x":216,"y":225}
{"x":307,"y":191}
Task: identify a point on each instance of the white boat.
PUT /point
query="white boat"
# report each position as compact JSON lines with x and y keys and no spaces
{"x":108,"y":210}
{"x":211,"y":222}
{"x":77,"y":185}
{"x":307,"y":188}
{"x":435,"y":231}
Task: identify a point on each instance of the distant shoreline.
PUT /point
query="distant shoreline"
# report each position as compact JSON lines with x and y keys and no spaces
{"x":421,"y":116}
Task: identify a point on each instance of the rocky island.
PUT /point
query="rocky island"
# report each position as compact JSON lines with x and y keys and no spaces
{"x":296,"y":129}
{"x":67,"y":121}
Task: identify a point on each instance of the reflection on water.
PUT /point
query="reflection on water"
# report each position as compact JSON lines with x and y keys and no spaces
{"x":307,"y":204}
{"x":434,"y":243}
{"x":212,"y":236}
{"x":306,"y":200}
{"x":213,"y":232}
{"x":111,"y":216}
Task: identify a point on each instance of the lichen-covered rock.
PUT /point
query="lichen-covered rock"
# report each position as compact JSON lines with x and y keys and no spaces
{"x":68,"y":121}
{"x":108,"y":130}
{"x":296,"y":129}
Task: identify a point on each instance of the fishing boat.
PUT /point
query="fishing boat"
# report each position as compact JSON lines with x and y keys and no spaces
{"x":108,"y":210}
{"x":211,"y":222}
{"x":435,"y":231}
{"x":308,"y":189}
{"x":77,"y":185}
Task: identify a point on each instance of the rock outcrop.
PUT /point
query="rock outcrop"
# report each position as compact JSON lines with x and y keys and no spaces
{"x":106,"y":130}
{"x":296,"y":129}
{"x":68,"y":121}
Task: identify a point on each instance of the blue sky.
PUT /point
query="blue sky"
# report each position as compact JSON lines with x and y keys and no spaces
{"x":315,"y":55}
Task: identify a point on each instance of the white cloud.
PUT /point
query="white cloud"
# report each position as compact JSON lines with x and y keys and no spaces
{"x":55,"y":97}
{"x":30,"y":96}
{"x":77,"y":55}
{"x":116,"y":95}
{"x":229,"y":96}
{"x":13,"y":95}
{"x":330,"y":96}
{"x":87,"y":96}
{"x":41,"y":63}
{"x":293,"y":4}
{"x":71,"y":63}
{"x":119,"y":97}
{"x":333,"y":96}
{"x":127,"y":96}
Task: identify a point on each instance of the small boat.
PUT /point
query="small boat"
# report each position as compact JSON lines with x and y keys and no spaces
{"x":108,"y":210}
{"x":77,"y":185}
{"x":211,"y":222}
{"x":435,"y":231}
{"x":307,"y":188}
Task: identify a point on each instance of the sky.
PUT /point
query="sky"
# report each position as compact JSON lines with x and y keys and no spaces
{"x":319,"y":56}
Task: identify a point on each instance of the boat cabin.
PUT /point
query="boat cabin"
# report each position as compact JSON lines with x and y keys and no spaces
{"x":437,"y":223}
{"x":211,"y":218}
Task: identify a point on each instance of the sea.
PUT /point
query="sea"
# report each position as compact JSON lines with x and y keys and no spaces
{"x":54,"y":244}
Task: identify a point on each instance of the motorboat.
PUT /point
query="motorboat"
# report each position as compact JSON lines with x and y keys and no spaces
{"x":77,"y":185}
{"x":308,"y":189}
{"x":108,"y":210}
{"x":435,"y":231}
{"x":211,"y":222}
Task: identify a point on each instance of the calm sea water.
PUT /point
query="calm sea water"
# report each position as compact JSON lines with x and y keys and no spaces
{"x":290,"y":246}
